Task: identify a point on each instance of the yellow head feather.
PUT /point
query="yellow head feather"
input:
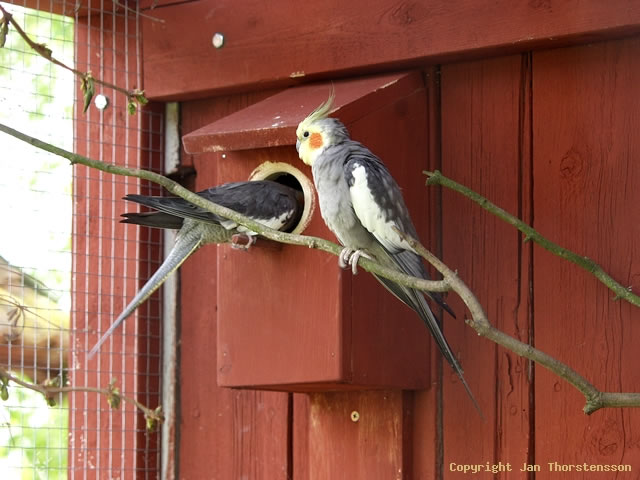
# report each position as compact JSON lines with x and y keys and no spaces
{"x":312,"y":138}
{"x":323,"y":110}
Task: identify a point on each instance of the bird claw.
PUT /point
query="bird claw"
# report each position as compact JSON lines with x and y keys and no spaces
{"x":242,"y":241}
{"x":343,"y":258}
{"x":350,"y":257}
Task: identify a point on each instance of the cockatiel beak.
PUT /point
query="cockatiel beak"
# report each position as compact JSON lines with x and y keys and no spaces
{"x":298,"y":146}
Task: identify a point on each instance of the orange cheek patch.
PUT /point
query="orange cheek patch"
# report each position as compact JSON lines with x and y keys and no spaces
{"x":315,"y":141}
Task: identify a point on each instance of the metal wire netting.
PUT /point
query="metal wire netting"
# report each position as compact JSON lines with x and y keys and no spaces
{"x":67,"y":267}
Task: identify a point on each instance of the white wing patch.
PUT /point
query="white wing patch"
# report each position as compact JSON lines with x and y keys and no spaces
{"x":276,"y":223}
{"x":370,"y":213}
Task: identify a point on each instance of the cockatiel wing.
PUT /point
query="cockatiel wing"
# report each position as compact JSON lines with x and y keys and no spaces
{"x":270,"y":203}
{"x":377,"y":201}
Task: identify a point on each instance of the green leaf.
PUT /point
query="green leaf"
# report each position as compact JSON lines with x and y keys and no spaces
{"x":139,"y":96}
{"x":132,"y":107}
{"x":4,"y":30}
{"x":151,"y":424}
{"x":113,"y":398}
{"x":154,"y":419}
{"x":45,"y":51}
{"x":88,"y":89}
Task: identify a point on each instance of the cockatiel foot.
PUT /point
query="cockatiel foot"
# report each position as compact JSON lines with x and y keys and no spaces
{"x":242,"y":241}
{"x":349,"y":257}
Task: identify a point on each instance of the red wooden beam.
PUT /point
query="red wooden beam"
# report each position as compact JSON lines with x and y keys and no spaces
{"x":485,"y":145}
{"x":282,"y":42}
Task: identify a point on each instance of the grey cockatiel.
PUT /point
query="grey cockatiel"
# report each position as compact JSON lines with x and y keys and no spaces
{"x":362,"y":204}
{"x":274,"y":205}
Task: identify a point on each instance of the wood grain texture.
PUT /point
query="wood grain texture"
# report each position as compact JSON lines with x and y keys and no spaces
{"x":389,"y":133}
{"x":483,"y":134}
{"x":300,"y":441}
{"x":586,"y":122}
{"x":551,"y":137}
{"x":250,"y":430}
{"x":281,"y":43}
{"x":426,"y":447}
{"x":196,"y":115}
{"x":273,"y":122}
{"x":373,"y":447}
{"x":280,"y":306}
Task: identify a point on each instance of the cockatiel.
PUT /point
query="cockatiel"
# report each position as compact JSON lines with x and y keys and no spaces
{"x":274,"y":205}
{"x":361,"y":204}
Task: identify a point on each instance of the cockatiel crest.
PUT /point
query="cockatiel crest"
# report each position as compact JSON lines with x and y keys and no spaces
{"x":317,"y":132}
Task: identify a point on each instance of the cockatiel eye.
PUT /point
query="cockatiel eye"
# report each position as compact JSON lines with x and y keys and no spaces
{"x":305,"y":134}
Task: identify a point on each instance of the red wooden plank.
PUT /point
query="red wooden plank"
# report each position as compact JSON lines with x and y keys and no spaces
{"x":426,"y":421}
{"x":249,"y":431}
{"x":279,"y":43}
{"x":371,"y":447}
{"x":273,"y":122}
{"x":300,"y":436}
{"x":586,"y":122}
{"x":483,"y":134}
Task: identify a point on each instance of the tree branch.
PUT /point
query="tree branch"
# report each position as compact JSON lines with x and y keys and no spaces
{"x":153,"y":417}
{"x":137,"y":12}
{"x":436,"y":178}
{"x":275,"y":235}
{"x":595,"y":399}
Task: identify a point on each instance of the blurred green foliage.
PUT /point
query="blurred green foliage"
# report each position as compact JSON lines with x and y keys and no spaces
{"x":24,"y":70}
{"x":37,"y":97}
{"x":33,"y":436}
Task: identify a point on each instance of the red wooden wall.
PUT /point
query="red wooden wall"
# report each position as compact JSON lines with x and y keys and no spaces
{"x":549,"y":134}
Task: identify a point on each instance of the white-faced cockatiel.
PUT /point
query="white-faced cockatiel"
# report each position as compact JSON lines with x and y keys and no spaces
{"x":272,"y":204}
{"x":362,"y":204}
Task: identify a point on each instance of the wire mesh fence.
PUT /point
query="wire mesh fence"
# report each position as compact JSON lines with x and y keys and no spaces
{"x":67,"y":267}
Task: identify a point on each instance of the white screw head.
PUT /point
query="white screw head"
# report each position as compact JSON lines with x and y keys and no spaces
{"x":218,"y":40}
{"x":100,"y":101}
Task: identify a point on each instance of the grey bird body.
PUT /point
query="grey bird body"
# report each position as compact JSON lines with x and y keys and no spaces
{"x":363,"y":206}
{"x":336,"y":174}
{"x":272,"y":204}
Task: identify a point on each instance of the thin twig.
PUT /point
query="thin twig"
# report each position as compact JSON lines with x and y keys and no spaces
{"x":112,"y":393}
{"x":45,"y":52}
{"x":275,"y":235}
{"x":595,"y":399}
{"x":436,"y":178}
{"x":153,"y":19}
